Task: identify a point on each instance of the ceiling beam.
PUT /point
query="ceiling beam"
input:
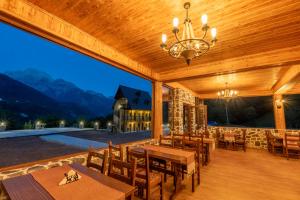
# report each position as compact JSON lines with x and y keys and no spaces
{"x":287,"y":80}
{"x":179,"y":85}
{"x":270,"y":59}
{"x":242,"y":93}
{"x":29,"y":17}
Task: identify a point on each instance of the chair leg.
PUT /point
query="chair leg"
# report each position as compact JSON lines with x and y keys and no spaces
{"x":198,"y":174}
{"x":165,"y":175}
{"x":162,"y":189}
{"x":193,"y":182}
{"x":148,"y":194}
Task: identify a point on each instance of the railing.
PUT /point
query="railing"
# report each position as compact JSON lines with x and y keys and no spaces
{"x":21,"y":169}
{"x":255,"y":137}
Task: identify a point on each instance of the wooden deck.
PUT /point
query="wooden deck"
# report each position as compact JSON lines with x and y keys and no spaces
{"x":252,"y":175}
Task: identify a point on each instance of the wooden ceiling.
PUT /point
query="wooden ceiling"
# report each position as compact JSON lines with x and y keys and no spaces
{"x":258,"y":41}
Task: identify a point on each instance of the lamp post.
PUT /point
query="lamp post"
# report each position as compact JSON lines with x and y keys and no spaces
{"x":2,"y":126}
{"x":226,"y":110}
{"x":81,"y":124}
{"x":62,"y":124}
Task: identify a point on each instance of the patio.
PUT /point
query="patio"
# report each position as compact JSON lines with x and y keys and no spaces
{"x":257,"y":54}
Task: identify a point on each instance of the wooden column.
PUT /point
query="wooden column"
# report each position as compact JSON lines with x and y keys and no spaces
{"x":157,"y":100}
{"x":279,"y":111}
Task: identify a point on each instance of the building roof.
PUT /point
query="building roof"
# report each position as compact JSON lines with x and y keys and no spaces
{"x":137,"y":99}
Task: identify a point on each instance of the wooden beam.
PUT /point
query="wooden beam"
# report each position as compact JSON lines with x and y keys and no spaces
{"x":279,"y":115}
{"x":282,"y":57}
{"x":29,"y":17}
{"x":157,"y":111}
{"x":178,"y":85}
{"x":287,"y":80}
{"x":242,"y":93}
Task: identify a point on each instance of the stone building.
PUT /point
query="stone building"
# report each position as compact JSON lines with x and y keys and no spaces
{"x":132,"y":110}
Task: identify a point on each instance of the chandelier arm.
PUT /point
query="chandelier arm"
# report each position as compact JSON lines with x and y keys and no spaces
{"x":166,"y":49}
{"x":204,"y":34}
{"x":176,"y":36}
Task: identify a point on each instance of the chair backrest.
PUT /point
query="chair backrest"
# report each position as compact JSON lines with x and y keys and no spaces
{"x":142,"y":158}
{"x":116,"y":151}
{"x":93,"y":155}
{"x":196,"y":146}
{"x":240,"y":135}
{"x":129,"y":168}
{"x":292,"y":139}
{"x":163,"y":141}
{"x":177,"y":140}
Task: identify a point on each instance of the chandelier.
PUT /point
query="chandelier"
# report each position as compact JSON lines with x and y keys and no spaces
{"x":189,"y":46}
{"x":227,"y":93}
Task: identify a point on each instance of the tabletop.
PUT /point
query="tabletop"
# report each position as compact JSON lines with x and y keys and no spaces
{"x":27,"y":188}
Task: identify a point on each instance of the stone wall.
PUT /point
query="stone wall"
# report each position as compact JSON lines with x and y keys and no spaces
{"x":255,"y":137}
{"x":181,"y":97}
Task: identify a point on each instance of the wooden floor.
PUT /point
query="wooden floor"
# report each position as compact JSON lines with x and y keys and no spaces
{"x":254,"y":175}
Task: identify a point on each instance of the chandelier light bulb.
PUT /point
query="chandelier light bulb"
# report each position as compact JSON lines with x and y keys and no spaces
{"x":175,"y":22}
{"x":164,"y":38}
{"x":214,"y":33}
{"x":204,"y":19}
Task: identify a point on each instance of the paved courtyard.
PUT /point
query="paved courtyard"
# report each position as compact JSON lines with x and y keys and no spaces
{"x":18,"y":150}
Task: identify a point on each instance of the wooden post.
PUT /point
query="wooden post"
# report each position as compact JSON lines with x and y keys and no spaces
{"x":279,"y":111}
{"x":157,"y":99}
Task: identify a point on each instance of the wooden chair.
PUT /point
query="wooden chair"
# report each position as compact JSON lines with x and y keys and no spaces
{"x":101,"y":166}
{"x":268,"y":138}
{"x":197,"y":147}
{"x":145,"y":179}
{"x":130,"y":171}
{"x":177,"y":141}
{"x":166,"y":141}
{"x":221,"y":143}
{"x":292,"y":144}
{"x":204,"y":149}
{"x":116,"y":150}
{"x":240,"y":140}
{"x":276,"y":144}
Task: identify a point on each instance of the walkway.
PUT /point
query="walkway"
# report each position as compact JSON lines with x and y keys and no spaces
{"x":34,"y":132}
{"x":73,"y":141}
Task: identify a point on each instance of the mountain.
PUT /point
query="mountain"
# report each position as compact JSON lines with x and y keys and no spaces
{"x":64,"y":91}
{"x":20,"y":103}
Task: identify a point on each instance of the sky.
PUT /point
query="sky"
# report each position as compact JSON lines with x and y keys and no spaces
{"x":20,"y":50}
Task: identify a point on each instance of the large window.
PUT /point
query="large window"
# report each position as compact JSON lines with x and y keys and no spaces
{"x":55,"y":101}
{"x":241,"y":111}
{"x":292,"y":111}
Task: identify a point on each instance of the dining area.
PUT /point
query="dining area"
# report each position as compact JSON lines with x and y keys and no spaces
{"x":136,"y":171}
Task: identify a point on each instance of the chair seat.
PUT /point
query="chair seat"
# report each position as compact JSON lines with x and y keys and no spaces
{"x":155,"y":178}
{"x":277,"y":144}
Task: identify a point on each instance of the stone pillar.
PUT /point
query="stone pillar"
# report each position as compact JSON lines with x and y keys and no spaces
{"x":279,"y":111}
{"x":178,"y":111}
{"x":157,"y":111}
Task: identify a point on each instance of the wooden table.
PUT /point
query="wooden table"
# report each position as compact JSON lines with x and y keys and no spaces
{"x":210,"y":142}
{"x":178,"y":157}
{"x":27,"y":188}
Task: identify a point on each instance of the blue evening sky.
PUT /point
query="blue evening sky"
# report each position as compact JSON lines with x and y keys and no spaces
{"x":20,"y":50}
